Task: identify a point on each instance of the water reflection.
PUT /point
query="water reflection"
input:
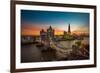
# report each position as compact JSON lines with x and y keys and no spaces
{"x":32,"y":53}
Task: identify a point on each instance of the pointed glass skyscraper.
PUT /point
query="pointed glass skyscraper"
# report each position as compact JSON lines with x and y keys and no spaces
{"x":69,"y":31}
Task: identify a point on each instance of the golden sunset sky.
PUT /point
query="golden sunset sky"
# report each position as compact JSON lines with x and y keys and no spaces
{"x":35,"y":29}
{"x":32,"y":21}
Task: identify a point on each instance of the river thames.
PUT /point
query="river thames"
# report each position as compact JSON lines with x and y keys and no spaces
{"x":32,"y":53}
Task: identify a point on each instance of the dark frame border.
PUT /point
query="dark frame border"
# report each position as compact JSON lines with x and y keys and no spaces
{"x":13,"y":35}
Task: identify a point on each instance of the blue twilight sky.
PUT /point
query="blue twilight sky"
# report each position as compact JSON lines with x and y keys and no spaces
{"x":56,"y":19}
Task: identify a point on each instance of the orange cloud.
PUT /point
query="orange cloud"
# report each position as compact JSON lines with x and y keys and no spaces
{"x":30,"y":30}
{"x":58,"y":31}
{"x":35,"y":30}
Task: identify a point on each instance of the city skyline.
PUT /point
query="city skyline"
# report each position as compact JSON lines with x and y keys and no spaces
{"x":33,"y":21}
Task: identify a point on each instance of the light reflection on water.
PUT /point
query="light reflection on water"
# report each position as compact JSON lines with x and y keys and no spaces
{"x":31,"y":53}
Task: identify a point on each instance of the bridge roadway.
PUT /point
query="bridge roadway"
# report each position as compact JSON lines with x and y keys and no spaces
{"x":60,"y":50}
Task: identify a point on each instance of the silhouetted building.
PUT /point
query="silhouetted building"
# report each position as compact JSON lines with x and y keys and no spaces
{"x":43,"y":35}
{"x":69,"y":30}
{"x":65,"y":32}
{"x":67,"y":35}
{"x":46,"y":36}
{"x":50,"y":32}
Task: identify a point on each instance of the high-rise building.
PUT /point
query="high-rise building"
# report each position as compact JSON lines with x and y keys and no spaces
{"x":69,"y":30}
